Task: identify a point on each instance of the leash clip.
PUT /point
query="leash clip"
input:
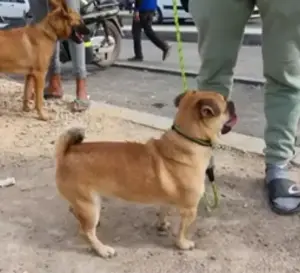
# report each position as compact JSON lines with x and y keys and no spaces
{"x":210,"y":173}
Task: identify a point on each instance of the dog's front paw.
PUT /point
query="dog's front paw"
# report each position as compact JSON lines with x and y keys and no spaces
{"x":185,"y":244}
{"x":106,"y":251}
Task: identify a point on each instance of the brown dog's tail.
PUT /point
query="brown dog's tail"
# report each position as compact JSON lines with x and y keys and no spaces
{"x":71,"y":137}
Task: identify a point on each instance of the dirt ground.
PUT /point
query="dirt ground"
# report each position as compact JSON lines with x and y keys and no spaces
{"x":38,"y":234}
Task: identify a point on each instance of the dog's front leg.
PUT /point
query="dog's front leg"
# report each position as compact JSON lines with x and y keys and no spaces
{"x":27,"y":92}
{"x":188,"y":215}
{"x":39,"y":95}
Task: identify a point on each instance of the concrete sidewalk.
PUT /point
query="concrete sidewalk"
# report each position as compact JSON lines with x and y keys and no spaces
{"x":249,"y":67}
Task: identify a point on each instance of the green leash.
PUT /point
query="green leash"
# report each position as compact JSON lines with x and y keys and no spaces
{"x":179,"y":46}
{"x":215,"y":203}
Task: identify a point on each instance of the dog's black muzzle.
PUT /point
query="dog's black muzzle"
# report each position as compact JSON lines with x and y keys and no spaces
{"x":232,"y":118}
{"x":78,"y":33}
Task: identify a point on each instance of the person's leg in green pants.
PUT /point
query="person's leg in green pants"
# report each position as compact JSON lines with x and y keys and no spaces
{"x":281,"y":58}
{"x":220,"y":25}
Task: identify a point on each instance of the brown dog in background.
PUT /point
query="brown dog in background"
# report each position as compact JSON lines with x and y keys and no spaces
{"x":28,"y":50}
{"x":165,"y":171}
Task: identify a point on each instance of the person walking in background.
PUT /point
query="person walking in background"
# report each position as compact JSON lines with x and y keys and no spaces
{"x":220,"y":27}
{"x":142,"y":19}
{"x":39,"y":9}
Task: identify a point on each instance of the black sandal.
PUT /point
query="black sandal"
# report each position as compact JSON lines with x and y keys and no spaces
{"x":51,"y":96}
{"x":283,"y":188}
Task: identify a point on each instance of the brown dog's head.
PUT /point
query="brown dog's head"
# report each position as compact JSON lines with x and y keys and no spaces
{"x":204,"y":114}
{"x":66,"y":22}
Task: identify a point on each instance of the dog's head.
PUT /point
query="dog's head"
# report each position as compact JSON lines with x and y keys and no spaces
{"x":204,"y":114}
{"x":66,"y":22}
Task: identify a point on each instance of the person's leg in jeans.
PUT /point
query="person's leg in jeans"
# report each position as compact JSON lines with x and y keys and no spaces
{"x":281,"y":56}
{"x":136,"y":30}
{"x":77,"y":52}
{"x":146,"y":23}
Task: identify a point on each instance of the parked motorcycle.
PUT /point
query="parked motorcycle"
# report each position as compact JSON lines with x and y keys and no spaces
{"x":103,"y":45}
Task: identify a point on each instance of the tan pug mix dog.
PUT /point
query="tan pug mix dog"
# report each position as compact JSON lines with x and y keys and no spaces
{"x":165,"y":171}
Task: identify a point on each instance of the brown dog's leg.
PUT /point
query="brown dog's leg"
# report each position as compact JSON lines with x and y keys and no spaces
{"x":163,"y":225}
{"x":188,"y":215}
{"x":88,"y":214}
{"x":27,"y":92}
{"x":39,"y":93}
{"x":72,"y":211}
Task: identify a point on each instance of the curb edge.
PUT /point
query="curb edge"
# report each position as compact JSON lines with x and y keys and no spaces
{"x":176,"y":72}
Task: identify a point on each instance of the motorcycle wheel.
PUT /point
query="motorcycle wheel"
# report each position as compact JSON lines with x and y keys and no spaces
{"x":108,"y":59}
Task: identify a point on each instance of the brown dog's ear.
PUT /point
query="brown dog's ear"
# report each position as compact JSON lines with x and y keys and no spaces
{"x":208,"y":108}
{"x":178,"y":99}
{"x":64,"y":5}
{"x":55,"y":4}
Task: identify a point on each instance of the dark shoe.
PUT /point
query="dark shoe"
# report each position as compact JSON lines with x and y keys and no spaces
{"x":135,"y":59}
{"x":287,"y":190}
{"x":54,"y":88}
{"x":166,"y":53}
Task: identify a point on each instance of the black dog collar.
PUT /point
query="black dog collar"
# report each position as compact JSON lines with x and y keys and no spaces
{"x":199,"y":141}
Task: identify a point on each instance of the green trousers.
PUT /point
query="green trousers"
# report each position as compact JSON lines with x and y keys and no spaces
{"x":220,"y":25}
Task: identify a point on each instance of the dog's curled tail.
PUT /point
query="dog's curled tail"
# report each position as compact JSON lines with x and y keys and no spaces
{"x":70,"y":137}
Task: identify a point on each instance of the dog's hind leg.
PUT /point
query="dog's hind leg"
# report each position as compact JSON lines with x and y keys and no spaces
{"x":188,"y":215}
{"x":88,"y":213}
{"x":27,"y":92}
{"x":39,"y":95}
{"x":99,"y":203}
{"x":163,"y":225}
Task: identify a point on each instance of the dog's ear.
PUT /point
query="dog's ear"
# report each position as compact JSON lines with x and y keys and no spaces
{"x":54,"y":4}
{"x":64,"y":5}
{"x":59,"y":5}
{"x":208,"y":108}
{"x":178,"y":99}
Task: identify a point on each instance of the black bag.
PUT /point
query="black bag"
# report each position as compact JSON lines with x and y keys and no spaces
{"x":185,"y":5}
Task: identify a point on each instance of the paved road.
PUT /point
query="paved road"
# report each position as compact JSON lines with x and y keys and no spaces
{"x":144,"y":91}
{"x":249,"y":63}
